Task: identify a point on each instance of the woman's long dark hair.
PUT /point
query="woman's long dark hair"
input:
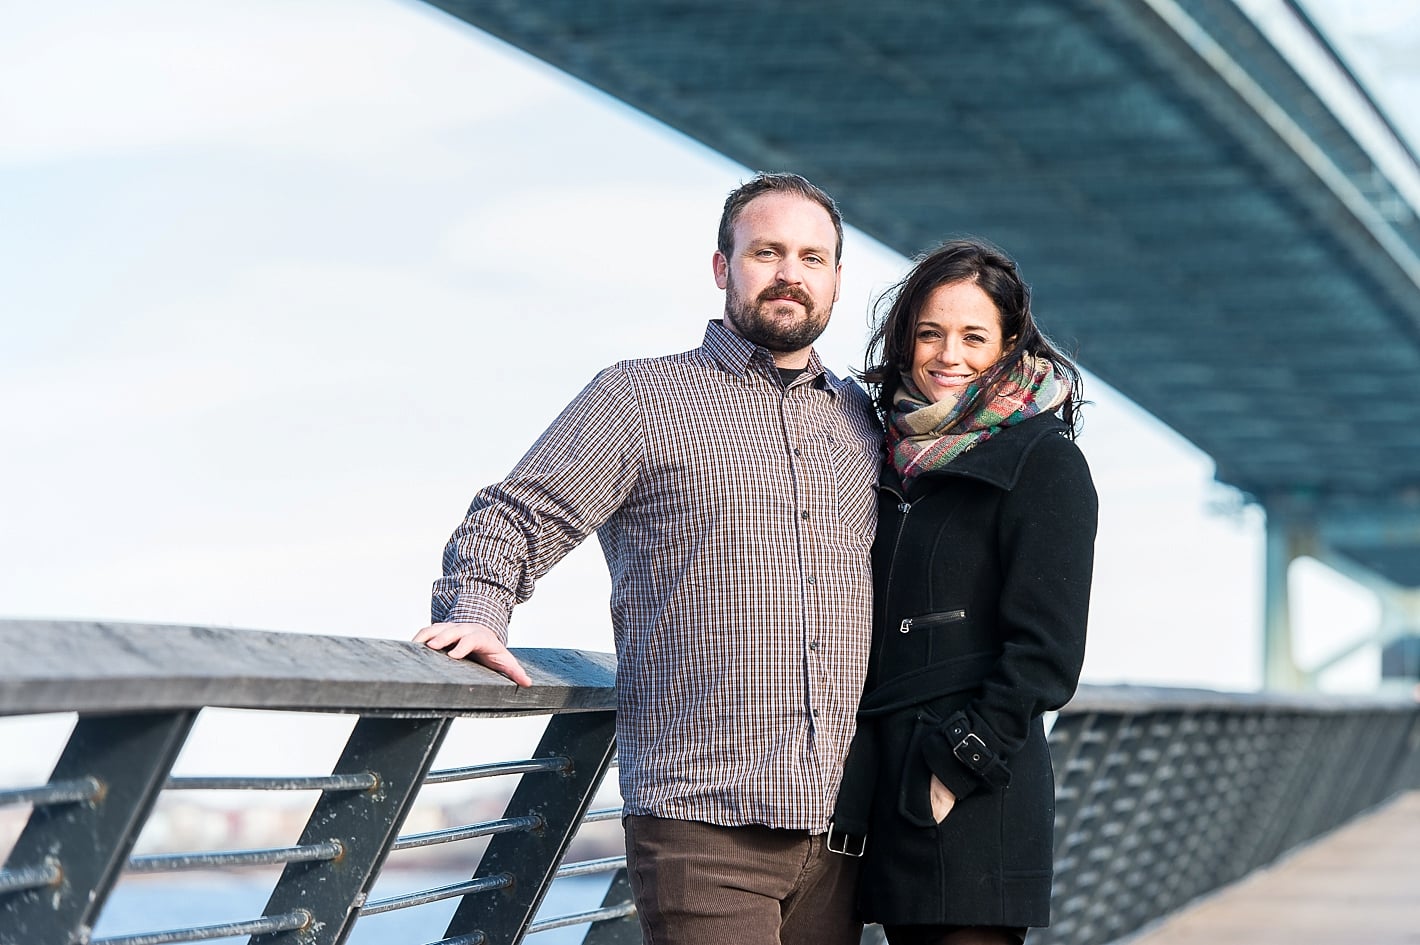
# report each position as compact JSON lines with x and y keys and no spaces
{"x":890,"y":349}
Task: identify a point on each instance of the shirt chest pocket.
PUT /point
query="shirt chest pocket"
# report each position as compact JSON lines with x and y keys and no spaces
{"x":854,"y":469}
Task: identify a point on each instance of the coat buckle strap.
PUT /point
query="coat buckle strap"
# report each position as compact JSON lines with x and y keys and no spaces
{"x":848,"y":844}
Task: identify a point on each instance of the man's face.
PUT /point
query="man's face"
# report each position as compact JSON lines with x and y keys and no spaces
{"x":781,"y":278}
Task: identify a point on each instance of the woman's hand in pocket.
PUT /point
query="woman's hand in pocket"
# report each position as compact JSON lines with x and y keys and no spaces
{"x":943,"y":800}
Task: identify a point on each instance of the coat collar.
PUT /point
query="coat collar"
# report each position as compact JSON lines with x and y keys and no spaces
{"x":997,"y":461}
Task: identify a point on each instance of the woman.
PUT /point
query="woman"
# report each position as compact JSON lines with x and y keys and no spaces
{"x":982,"y":579}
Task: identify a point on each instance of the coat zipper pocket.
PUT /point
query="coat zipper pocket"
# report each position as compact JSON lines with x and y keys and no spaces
{"x":930,"y":620}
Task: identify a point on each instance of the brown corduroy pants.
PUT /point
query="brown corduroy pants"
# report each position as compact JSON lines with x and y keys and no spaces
{"x":702,"y":884}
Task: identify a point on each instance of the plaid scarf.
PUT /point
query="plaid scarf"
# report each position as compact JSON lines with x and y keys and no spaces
{"x":915,"y":426}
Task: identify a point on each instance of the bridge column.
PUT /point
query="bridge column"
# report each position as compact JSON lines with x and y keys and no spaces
{"x":1288,"y":538}
{"x":1291,"y":532}
{"x":1400,"y":639}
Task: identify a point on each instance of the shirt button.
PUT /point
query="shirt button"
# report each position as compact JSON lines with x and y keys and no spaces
{"x":798,"y":452}
{"x":815,"y":713}
{"x":804,"y":514}
{"x":813,"y":645}
{"x":812,"y":579}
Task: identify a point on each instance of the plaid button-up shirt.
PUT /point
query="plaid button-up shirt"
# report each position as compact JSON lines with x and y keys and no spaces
{"x":736,"y":517}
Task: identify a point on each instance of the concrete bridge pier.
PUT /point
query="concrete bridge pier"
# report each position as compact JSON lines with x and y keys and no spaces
{"x":1400,"y":639}
{"x":1293,"y":531}
{"x":1288,"y":537}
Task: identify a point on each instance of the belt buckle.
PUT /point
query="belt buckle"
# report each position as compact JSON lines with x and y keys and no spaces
{"x":971,"y":751}
{"x":845,"y":840}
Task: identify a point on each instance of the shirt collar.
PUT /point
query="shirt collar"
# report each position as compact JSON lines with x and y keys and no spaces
{"x":736,"y":355}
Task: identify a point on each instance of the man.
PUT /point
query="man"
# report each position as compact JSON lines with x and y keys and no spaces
{"x":731,"y":489}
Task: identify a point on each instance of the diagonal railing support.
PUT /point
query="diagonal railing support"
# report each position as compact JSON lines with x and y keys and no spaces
{"x":398,"y":752}
{"x":587,"y":740}
{"x":127,"y":758}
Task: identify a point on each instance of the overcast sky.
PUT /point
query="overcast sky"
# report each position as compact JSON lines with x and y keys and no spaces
{"x":284,"y":282}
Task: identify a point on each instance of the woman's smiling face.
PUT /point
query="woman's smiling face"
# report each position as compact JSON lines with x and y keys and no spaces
{"x":957,"y":337}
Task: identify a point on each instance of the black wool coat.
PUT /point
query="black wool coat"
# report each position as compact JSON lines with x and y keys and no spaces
{"x":982,"y":583}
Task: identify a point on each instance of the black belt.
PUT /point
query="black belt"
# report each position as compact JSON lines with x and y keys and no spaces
{"x":929,"y":682}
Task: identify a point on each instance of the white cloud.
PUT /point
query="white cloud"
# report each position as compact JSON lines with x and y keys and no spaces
{"x":327,"y":79}
{"x":593,"y":238}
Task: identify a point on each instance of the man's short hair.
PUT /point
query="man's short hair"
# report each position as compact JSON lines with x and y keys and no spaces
{"x":763,"y":183}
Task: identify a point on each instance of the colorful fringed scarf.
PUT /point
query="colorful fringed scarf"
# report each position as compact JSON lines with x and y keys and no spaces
{"x":914,"y":426}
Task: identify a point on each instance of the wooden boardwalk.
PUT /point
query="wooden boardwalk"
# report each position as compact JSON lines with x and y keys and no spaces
{"x":1359,"y":885}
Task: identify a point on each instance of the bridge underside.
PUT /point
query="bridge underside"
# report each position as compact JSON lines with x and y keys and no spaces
{"x":1213,"y":242}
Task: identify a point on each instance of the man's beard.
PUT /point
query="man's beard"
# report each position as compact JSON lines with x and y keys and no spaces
{"x":754,"y":321}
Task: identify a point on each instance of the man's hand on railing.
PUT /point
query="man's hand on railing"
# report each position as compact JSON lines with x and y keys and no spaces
{"x":477,"y":641}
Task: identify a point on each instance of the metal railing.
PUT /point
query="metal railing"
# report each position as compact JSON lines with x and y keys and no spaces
{"x":137,"y":691}
{"x":1162,"y":794}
